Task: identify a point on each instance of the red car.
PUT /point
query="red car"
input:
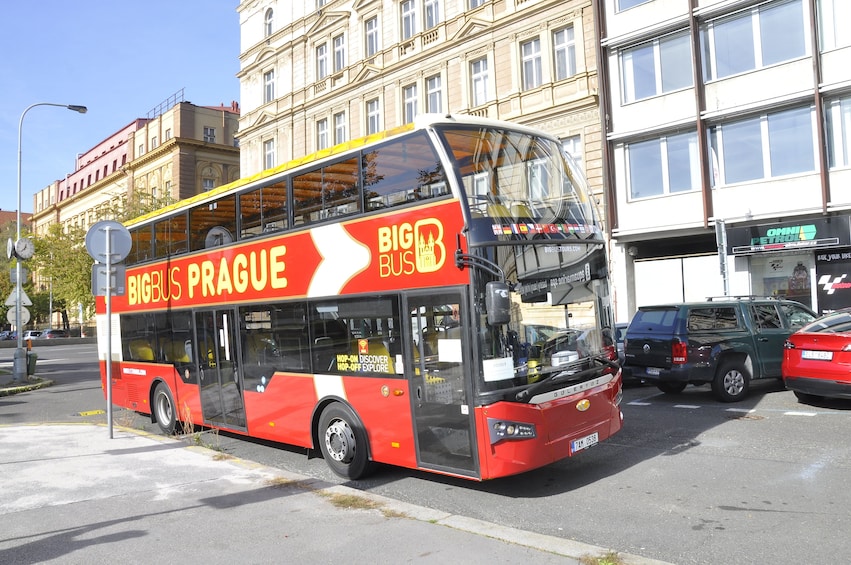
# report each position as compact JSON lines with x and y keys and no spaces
{"x":817,"y":358}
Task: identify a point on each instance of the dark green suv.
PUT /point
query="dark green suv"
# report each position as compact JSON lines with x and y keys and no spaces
{"x":725,"y":341}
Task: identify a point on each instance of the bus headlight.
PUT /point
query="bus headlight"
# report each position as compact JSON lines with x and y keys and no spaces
{"x":505,"y":429}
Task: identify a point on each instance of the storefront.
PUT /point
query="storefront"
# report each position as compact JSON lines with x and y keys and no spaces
{"x":808,"y":261}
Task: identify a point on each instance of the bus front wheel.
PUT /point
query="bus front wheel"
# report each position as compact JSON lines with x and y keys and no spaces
{"x":164,"y":409}
{"x":343,"y":442}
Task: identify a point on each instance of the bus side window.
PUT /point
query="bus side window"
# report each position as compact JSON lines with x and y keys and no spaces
{"x":140,"y":350}
{"x":330,"y":339}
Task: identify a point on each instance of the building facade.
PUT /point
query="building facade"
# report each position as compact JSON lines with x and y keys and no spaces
{"x":180,"y":151}
{"x":321,"y":72}
{"x":728,"y":148}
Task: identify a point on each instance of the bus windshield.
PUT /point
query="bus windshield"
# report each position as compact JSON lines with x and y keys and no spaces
{"x":533,"y":223}
{"x":508,"y":174}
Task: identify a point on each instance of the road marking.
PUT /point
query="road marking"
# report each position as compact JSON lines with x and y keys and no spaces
{"x":92,"y":413}
{"x":638,"y":403}
{"x":689,"y":406}
{"x":799,"y":413}
{"x":743,"y":410}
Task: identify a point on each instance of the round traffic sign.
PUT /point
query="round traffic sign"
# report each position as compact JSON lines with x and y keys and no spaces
{"x":12,"y":317}
{"x":119,"y":241}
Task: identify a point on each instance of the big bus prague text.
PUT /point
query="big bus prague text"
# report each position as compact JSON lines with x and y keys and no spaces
{"x":434,"y":297}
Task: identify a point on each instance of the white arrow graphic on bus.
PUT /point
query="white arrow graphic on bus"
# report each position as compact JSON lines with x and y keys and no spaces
{"x":342,"y":259}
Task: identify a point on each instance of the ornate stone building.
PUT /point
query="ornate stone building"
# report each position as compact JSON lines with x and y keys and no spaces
{"x":320,"y":72}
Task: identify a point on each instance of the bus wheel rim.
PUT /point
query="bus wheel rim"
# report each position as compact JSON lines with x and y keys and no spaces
{"x":164,"y":408}
{"x":340,"y":441}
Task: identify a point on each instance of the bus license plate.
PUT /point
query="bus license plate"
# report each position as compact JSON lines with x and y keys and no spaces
{"x":817,"y":355}
{"x":585,"y":442}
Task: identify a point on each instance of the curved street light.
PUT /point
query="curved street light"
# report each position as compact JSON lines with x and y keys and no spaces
{"x":20,"y":362}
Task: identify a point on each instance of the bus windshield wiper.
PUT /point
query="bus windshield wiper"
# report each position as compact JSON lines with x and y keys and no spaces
{"x":558,"y":376}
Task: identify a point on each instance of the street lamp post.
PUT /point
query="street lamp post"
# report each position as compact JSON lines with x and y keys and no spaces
{"x":20,"y":363}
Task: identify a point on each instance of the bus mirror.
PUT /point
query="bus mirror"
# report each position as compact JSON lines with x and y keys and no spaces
{"x":497,"y":303}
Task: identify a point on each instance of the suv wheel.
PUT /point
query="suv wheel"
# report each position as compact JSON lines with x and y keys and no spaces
{"x":671,"y":388}
{"x":732,"y":382}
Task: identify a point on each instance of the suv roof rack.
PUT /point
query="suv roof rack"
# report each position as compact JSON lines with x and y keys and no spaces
{"x":742,"y":297}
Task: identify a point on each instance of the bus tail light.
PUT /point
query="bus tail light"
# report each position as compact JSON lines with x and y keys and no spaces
{"x":505,"y":429}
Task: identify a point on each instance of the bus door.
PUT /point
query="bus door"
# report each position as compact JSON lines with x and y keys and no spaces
{"x":443,"y":420}
{"x":218,"y":371}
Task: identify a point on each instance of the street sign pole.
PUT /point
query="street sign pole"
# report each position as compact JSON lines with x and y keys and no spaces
{"x":108,"y":252}
{"x":100,"y":245}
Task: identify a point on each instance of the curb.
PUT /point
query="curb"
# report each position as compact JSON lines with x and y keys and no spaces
{"x":33,"y":383}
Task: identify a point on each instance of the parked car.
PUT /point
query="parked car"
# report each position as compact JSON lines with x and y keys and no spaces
{"x":726,"y":342}
{"x":6,"y":334}
{"x":52,"y":334}
{"x":31,"y":334}
{"x":816,"y":358}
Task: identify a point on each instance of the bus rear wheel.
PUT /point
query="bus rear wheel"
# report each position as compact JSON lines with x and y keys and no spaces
{"x":164,"y":409}
{"x":343,"y":442}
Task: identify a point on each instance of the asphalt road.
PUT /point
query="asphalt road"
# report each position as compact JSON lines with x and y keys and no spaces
{"x":688,"y":480}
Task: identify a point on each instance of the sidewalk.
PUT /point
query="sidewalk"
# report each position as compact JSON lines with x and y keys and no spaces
{"x":73,"y":495}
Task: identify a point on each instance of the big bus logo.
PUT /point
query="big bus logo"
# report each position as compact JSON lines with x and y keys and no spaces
{"x":405,"y":249}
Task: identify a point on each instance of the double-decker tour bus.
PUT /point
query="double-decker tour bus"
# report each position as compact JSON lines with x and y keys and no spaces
{"x":434,"y":297}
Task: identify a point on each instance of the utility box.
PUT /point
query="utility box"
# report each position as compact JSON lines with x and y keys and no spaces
{"x":31,"y":359}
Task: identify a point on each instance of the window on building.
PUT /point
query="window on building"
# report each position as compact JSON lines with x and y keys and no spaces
{"x":625,"y":4}
{"x":409,"y":19}
{"x":321,"y":61}
{"x":268,"y":20}
{"x":532,"y":69}
{"x":479,"y":76}
{"x":268,"y":86}
{"x":662,"y":65}
{"x":339,"y":53}
{"x":409,"y":96}
{"x":764,"y":35}
{"x":167,"y":135}
{"x":141,"y":149}
{"x":268,"y":153}
{"x":666,"y":165}
{"x":476,"y":3}
{"x":371,"y":32}
{"x":573,"y":146}
{"x":209,"y":134}
{"x":154,"y":142}
{"x":207,"y":184}
{"x":340,"y":127}
{"x":433,"y":94}
{"x":373,"y":116}
{"x":834,"y":31}
{"x":322,"y":134}
{"x":564,"y":53}
{"x":770,"y":145}
{"x":432,"y":13}
{"x":838,"y":120}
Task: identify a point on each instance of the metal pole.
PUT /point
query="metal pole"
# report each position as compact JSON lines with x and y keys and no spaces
{"x":19,"y":367}
{"x":109,"y":328}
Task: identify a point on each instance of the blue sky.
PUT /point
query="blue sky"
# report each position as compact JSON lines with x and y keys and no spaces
{"x":119,"y":58}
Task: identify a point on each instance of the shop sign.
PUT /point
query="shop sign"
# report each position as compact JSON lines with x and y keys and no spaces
{"x":789,"y":236}
{"x":833,"y":279}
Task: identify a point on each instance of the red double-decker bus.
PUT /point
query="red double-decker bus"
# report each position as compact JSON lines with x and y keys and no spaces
{"x":434,"y":297}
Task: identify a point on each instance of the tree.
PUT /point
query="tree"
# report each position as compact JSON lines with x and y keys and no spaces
{"x":61,"y":257}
